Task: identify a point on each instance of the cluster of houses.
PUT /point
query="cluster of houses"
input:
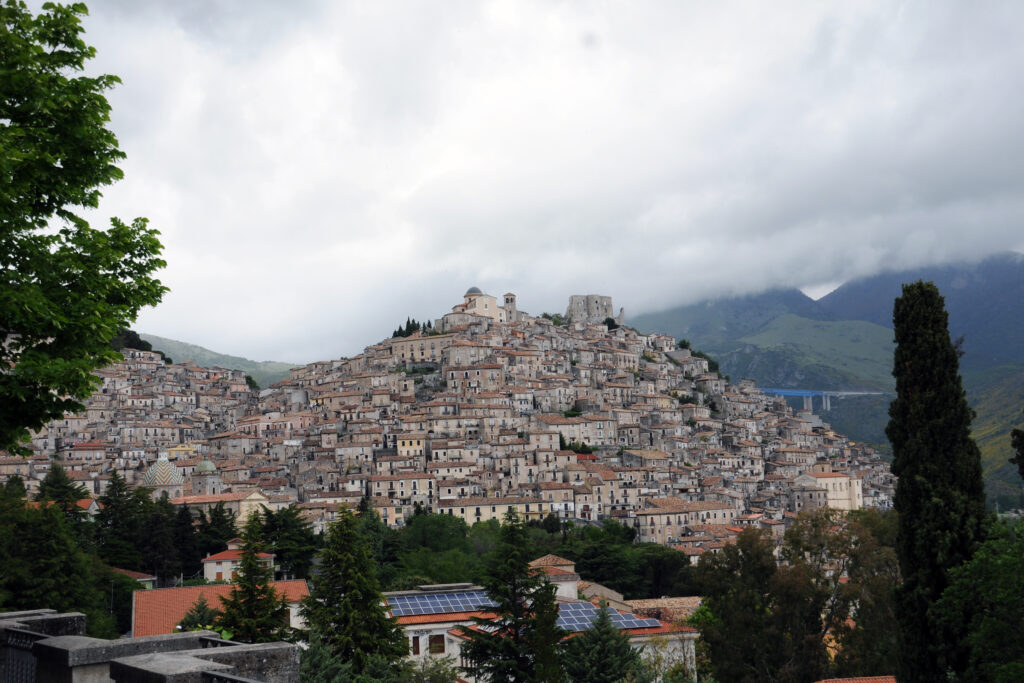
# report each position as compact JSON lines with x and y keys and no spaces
{"x":493,"y":410}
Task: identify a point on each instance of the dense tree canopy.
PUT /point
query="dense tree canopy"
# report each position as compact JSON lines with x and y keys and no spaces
{"x":940,"y":497}
{"x":65,"y":289}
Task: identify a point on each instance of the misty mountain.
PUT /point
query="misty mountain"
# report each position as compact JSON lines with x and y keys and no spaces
{"x":718,"y":323}
{"x":985,"y":301}
{"x":782,"y":338}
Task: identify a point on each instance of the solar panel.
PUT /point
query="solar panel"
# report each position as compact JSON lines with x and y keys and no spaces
{"x":579,"y":616}
{"x":466,"y":601}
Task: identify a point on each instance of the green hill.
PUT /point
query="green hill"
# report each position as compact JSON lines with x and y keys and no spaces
{"x":783,"y":339}
{"x":264,"y":372}
{"x":857,"y":354}
{"x":997,"y":396}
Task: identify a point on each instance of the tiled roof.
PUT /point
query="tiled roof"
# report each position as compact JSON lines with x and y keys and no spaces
{"x":158,"y":611}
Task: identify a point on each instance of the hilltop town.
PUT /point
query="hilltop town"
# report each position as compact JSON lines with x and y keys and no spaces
{"x":485,"y":409}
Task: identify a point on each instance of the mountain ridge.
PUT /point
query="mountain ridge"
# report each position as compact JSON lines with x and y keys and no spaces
{"x":264,"y":372}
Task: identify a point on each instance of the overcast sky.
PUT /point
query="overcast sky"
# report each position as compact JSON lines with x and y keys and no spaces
{"x":319,"y":171}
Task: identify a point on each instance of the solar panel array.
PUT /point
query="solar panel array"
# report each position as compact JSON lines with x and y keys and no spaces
{"x":439,"y":603}
{"x":579,"y":616}
{"x":572,"y":616}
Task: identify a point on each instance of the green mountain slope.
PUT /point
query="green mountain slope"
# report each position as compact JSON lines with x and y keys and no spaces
{"x":264,"y":372}
{"x":997,"y":396}
{"x":858,"y":353}
{"x":718,"y":323}
{"x":844,"y":341}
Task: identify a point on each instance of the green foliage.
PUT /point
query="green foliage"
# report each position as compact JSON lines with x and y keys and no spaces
{"x":1017,"y":441}
{"x":601,"y":654}
{"x":344,"y":608}
{"x":264,"y":372}
{"x":251,"y":382}
{"x":253,"y":611}
{"x":45,"y":566}
{"x":610,"y":323}
{"x":939,"y":494}
{"x":199,"y":616}
{"x":159,"y":553}
{"x":130,"y":339}
{"x":985,"y":600}
{"x":521,"y":642}
{"x":59,"y":488}
{"x":215,"y":530}
{"x":119,"y":523}
{"x":64,"y":292}
{"x":290,"y":537}
{"x":557,"y":319}
{"x":411,"y":327}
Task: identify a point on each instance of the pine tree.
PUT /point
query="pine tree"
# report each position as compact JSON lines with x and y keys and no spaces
{"x":1017,"y":442}
{"x":253,"y":611}
{"x":119,"y":523}
{"x":291,"y":539}
{"x":940,"y":494}
{"x":58,"y":487}
{"x":601,"y":654}
{"x":199,"y":616}
{"x":522,"y":642}
{"x":344,"y":607}
{"x":186,"y":541}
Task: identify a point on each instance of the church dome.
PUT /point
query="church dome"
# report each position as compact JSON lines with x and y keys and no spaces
{"x":162,"y":473}
{"x":206,"y":467}
{"x":473,"y":290}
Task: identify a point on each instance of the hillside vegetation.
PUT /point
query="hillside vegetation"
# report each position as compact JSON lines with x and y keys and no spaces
{"x":264,"y":372}
{"x":784,"y":339}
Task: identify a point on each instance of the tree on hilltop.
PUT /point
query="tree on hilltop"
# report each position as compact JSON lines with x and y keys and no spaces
{"x":65,"y":288}
{"x":940,"y":496}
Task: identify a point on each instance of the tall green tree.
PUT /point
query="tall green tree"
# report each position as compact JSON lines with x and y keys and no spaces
{"x":119,"y":523}
{"x":761,"y":622}
{"x":65,"y":289}
{"x":253,"y":611}
{"x":186,"y":541}
{"x":291,"y":539}
{"x":987,"y":595}
{"x":215,"y":529}
{"x":44,"y":565}
{"x":344,"y":607}
{"x":59,"y":488}
{"x":940,"y":496}
{"x":1017,"y":442}
{"x":601,"y":654}
{"x":521,"y":642}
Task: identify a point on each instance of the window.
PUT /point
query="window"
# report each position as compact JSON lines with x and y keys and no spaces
{"x":436,"y":644}
{"x":415,"y":645}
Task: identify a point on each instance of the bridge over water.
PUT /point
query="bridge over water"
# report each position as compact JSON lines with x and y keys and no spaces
{"x":826,"y":395}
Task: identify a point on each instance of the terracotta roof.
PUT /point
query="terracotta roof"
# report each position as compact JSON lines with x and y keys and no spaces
{"x":234,"y":555}
{"x":158,"y":611}
{"x":551,"y":561}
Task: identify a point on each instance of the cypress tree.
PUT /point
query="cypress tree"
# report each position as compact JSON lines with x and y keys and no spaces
{"x":940,"y":494}
{"x":253,"y":611}
{"x":345,"y":609}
